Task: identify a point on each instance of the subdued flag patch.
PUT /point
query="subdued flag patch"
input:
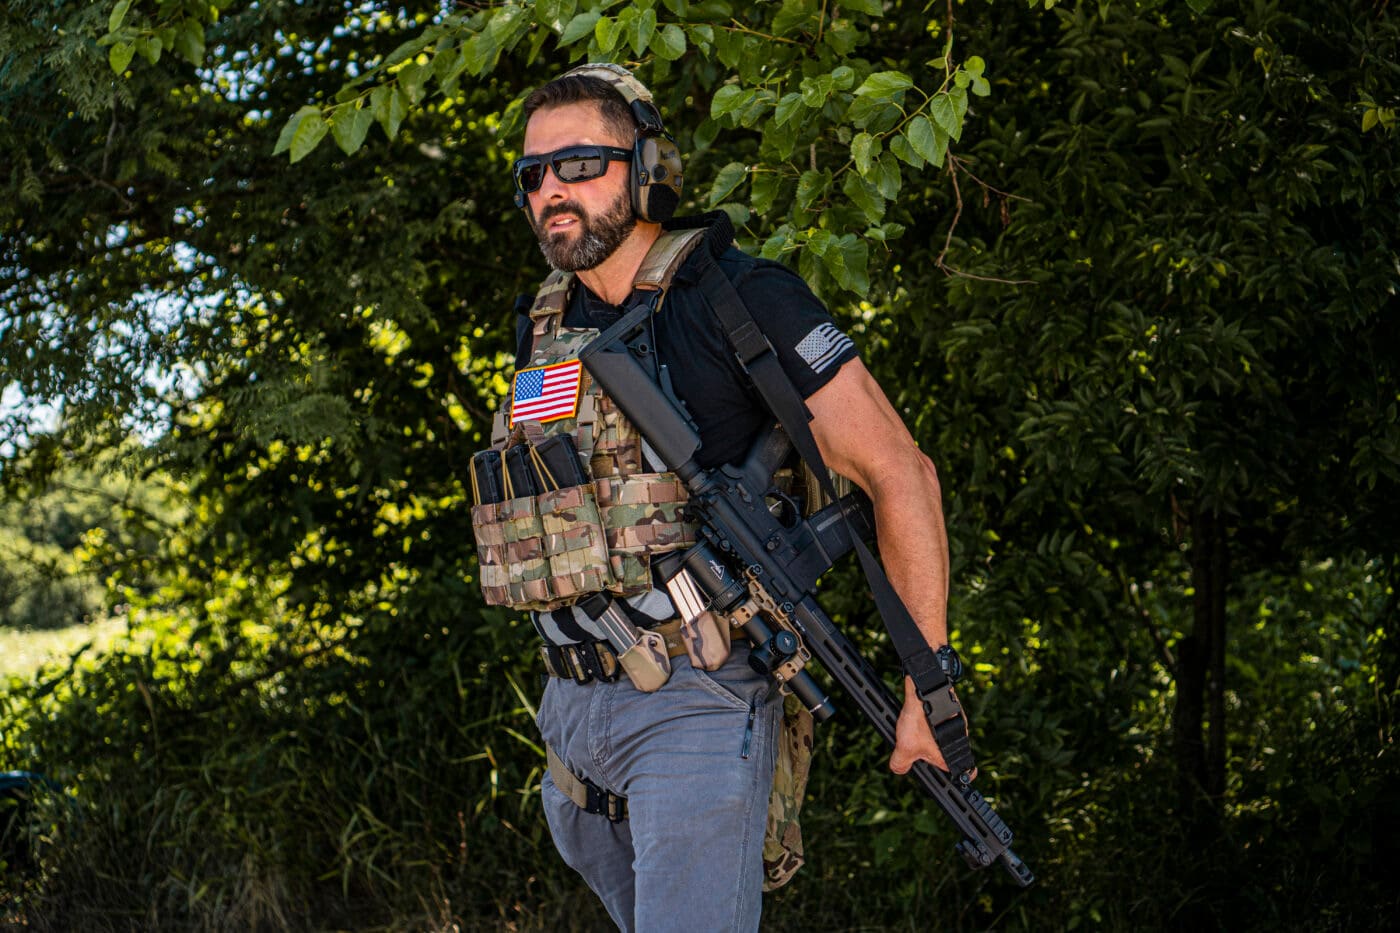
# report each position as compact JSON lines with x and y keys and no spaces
{"x":545,"y":393}
{"x":822,"y":346}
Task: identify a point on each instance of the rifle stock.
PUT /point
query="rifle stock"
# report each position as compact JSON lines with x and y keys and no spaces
{"x":729,"y":503}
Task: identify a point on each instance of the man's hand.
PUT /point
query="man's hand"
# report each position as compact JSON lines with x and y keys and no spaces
{"x":914,"y":739}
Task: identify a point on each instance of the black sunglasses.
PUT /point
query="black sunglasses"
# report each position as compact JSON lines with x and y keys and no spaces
{"x":571,"y":164}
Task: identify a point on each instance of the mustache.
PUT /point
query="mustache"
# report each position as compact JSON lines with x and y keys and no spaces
{"x":567,"y":207}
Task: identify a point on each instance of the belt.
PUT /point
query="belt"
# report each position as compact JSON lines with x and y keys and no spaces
{"x":587,"y":662}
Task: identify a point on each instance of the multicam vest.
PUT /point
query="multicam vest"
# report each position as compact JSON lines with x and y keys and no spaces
{"x":546,"y":551}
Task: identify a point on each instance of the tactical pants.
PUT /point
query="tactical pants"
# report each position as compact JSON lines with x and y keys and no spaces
{"x":695,"y":761}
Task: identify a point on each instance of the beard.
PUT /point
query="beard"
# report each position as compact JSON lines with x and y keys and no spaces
{"x":596,"y":239}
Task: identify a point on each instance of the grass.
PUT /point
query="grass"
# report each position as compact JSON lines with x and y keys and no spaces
{"x":24,"y":651}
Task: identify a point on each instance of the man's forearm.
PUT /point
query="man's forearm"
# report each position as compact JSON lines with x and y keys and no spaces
{"x":914,"y":541}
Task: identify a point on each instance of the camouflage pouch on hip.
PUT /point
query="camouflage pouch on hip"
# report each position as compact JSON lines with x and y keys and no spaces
{"x":782,"y":840}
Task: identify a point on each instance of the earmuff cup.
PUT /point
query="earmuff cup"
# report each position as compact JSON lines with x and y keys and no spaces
{"x":656,"y":178}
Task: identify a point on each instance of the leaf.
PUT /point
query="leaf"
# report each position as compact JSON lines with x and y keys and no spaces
{"x":959,"y":98}
{"x":868,"y":7}
{"x":411,"y":79}
{"x":350,"y":125}
{"x":119,"y":56}
{"x":816,"y":90}
{"x":729,"y":178}
{"x":778,"y":243}
{"x":944,"y":113}
{"x":866,"y":196}
{"x":903,"y":149}
{"x":150,"y":48}
{"x":764,"y":188}
{"x":975,"y":66}
{"x":888,"y":178}
{"x":606,"y":33}
{"x":114,"y":22}
{"x":310,"y":131}
{"x":929,"y":142}
{"x":726,"y":100}
{"x":884,"y":84}
{"x":848,"y":260}
{"x":812,"y":186}
{"x":551,"y":13}
{"x":670,"y":43}
{"x":819,"y":241}
{"x":704,"y":135}
{"x":1369,"y":119}
{"x":863,"y":150}
{"x":189,"y":41}
{"x":794,"y":15}
{"x":580,"y":26}
{"x":641,"y":29}
{"x":289,"y":129}
{"x":787,"y":108}
{"x":390,"y":106}
{"x":841,"y":37}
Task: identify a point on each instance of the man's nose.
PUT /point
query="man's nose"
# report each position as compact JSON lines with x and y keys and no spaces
{"x":550,"y":185}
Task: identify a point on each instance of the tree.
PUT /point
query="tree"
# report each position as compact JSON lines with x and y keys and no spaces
{"x":1132,"y":309}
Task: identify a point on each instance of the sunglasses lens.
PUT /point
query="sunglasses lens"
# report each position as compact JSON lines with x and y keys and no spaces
{"x":529,"y":174}
{"x":579,"y":165}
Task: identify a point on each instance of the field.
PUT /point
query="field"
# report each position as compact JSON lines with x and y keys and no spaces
{"x":24,"y":652}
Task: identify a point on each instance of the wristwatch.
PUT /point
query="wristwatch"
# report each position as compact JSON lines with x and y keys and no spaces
{"x":950,"y":662}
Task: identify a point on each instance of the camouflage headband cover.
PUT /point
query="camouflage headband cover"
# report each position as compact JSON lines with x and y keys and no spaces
{"x":620,"y":78}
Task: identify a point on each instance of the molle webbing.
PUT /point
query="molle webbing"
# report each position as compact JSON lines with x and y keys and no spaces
{"x":546,"y":550}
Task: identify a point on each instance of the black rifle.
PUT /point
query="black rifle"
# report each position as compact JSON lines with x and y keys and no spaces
{"x":780,"y":563}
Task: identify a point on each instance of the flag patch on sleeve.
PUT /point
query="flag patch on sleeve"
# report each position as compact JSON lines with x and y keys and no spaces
{"x":545,"y":393}
{"x":822,"y":346}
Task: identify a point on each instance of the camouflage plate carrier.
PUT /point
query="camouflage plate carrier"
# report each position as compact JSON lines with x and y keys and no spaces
{"x":546,"y":551}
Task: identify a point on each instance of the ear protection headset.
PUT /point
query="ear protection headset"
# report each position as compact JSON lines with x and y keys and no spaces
{"x":656,"y":161}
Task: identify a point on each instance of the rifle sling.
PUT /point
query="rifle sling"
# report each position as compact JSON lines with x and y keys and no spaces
{"x":757,"y":357}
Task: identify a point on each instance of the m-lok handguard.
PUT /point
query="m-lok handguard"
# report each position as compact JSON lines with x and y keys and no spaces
{"x":779,"y":563}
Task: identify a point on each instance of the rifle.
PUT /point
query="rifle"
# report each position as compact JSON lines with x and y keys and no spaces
{"x":780,"y":562}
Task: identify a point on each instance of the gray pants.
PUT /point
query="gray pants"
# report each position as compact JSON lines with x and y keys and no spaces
{"x":695,"y":762}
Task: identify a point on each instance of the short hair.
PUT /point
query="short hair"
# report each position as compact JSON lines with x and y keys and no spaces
{"x":581,"y":89}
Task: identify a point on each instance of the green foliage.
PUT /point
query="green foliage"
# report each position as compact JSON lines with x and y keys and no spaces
{"x":1121,"y":268}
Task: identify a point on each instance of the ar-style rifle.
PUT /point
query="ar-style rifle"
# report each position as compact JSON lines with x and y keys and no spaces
{"x":760,"y":569}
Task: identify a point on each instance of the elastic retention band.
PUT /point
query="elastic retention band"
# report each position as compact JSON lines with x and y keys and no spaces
{"x":589,"y":796}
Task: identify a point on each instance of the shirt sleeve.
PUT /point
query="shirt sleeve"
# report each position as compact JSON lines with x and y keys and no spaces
{"x":809,"y":345}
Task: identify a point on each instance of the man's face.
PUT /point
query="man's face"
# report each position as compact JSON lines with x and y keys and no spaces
{"x":578,"y":224}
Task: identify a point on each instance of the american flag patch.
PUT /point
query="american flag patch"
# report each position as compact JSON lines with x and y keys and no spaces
{"x":545,"y":393}
{"x":822,"y":346}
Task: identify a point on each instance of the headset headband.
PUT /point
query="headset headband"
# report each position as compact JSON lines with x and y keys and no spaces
{"x":632,"y":91}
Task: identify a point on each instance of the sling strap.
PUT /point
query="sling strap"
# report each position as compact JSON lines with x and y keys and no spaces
{"x":756,"y":355}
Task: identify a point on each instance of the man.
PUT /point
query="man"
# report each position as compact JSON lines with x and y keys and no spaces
{"x":694,"y":759}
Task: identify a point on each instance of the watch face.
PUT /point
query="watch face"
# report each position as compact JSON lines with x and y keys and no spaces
{"x":950,"y":662}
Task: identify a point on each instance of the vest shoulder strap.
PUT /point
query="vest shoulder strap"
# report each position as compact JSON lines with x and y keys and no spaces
{"x":655,"y":274}
{"x":665,"y":257}
{"x":550,"y":300}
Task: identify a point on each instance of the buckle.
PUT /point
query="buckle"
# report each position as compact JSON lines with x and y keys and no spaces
{"x":603,"y":802}
{"x":581,"y":663}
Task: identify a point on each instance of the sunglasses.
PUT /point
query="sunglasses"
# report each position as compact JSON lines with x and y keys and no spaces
{"x":571,"y":164}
